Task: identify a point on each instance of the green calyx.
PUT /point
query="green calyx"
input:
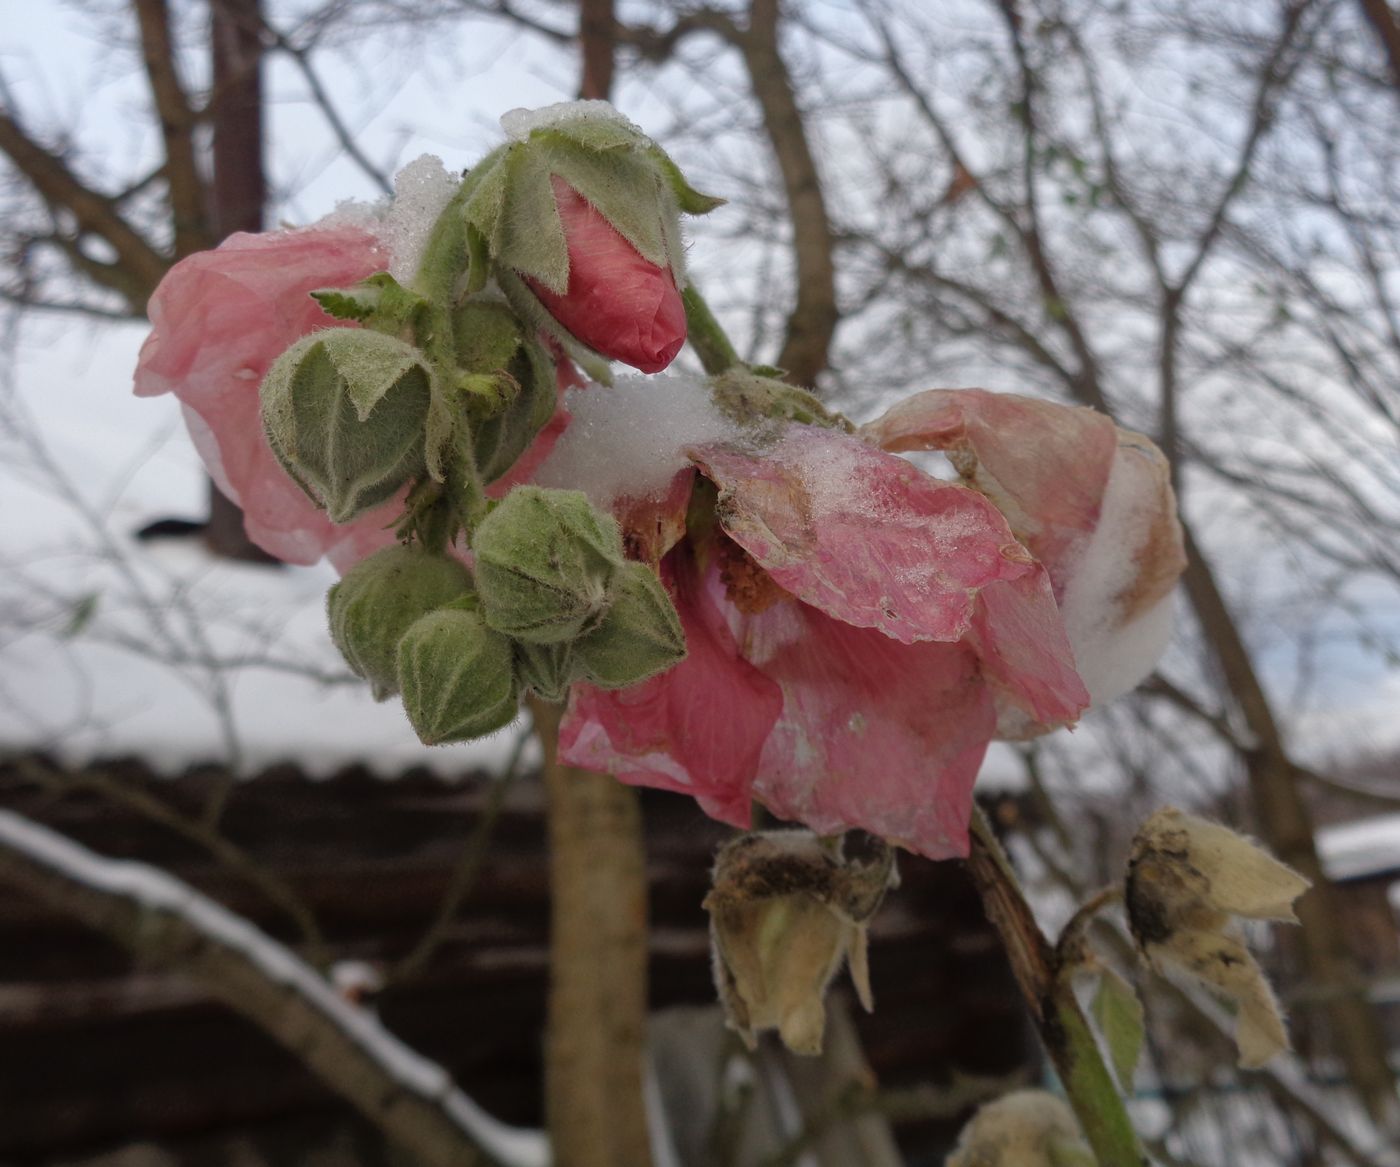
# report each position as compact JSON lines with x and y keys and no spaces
{"x":750,"y":395}
{"x":344,"y":411}
{"x":545,"y":563}
{"x":621,"y":172}
{"x":456,"y":675}
{"x":379,"y":598}
{"x":639,"y":637}
{"x":512,"y":392}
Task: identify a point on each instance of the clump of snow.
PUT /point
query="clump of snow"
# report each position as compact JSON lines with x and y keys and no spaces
{"x":403,"y":222}
{"x":1111,"y":656}
{"x":519,"y":124}
{"x":422,"y":190}
{"x":631,"y":439}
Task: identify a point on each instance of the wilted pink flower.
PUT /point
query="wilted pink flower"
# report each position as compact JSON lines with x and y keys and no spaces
{"x":218,"y":321}
{"x":617,"y":303}
{"x":858,"y":631}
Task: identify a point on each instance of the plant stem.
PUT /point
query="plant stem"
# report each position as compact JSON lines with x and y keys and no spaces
{"x":713,"y":347}
{"x":1064,"y":1031}
{"x":596,"y":1035}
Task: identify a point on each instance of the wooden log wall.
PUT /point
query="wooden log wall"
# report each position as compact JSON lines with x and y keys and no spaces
{"x":96,"y":1054}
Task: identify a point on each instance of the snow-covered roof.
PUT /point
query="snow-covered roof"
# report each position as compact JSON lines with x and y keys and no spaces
{"x":1356,"y":850}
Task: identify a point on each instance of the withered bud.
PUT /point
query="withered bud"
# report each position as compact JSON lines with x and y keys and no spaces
{"x":1027,"y":1128}
{"x":1186,"y":878}
{"x":785,"y":910}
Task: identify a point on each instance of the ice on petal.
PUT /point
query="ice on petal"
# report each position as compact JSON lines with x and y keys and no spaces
{"x":630,"y":440}
{"x":519,"y":124}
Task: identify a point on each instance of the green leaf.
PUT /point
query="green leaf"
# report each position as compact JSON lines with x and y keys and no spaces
{"x":690,"y":200}
{"x":347,"y":303}
{"x":1118,"y":1014}
{"x":625,"y":190}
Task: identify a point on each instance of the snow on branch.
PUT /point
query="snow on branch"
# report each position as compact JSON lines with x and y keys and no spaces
{"x":161,"y":919}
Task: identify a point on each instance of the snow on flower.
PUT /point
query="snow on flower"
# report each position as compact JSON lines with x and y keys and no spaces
{"x":858,"y":631}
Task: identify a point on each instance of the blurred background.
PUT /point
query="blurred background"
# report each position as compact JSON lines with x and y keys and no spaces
{"x":1184,"y":213}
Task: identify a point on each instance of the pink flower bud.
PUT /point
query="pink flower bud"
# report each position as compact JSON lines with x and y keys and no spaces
{"x":617,"y":303}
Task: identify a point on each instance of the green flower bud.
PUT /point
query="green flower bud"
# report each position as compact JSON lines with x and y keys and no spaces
{"x":345,"y":410}
{"x":547,"y":669}
{"x":490,"y":340}
{"x":373,"y":606}
{"x":639,"y":637}
{"x":457,"y":676}
{"x":545,"y":564}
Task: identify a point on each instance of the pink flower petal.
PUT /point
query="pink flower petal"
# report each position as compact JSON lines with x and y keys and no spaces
{"x":1044,"y":465}
{"x":617,"y":303}
{"x":1025,"y":651}
{"x":863,"y":535}
{"x":219,"y":319}
{"x":873,"y":733}
{"x":698,"y":728}
{"x":1092,"y":501}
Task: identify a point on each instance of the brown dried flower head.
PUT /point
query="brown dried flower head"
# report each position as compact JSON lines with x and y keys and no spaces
{"x":1186,"y":879}
{"x":1027,"y":1128}
{"x":786,"y":909}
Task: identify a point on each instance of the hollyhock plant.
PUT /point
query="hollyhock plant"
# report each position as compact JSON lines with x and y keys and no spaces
{"x":218,"y":321}
{"x":859,"y":631}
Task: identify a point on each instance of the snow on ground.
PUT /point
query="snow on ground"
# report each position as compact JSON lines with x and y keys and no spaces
{"x":183,"y":659}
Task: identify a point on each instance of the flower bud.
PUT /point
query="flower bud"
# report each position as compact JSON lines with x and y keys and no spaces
{"x":456,"y":675}
{"x":1027,"y":1128}
{"x":491,"y":340}
{"x":785,"y":911}
{"x":546,"y":669}
{"x":1186,"y":878}
{"x":639,"y":637}
{"x":584,"y":208}
{"x":373,"y":606}
{"x":545,"y":564}
{"x":344,"y":410}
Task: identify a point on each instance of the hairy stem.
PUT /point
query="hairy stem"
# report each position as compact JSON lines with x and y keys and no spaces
{"x":1064,"y":1031}
{"x":711,"y":345}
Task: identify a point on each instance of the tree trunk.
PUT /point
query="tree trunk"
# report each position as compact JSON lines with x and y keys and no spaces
{"x":238,"y":193}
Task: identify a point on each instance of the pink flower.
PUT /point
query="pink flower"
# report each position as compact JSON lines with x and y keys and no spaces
{"x":857,"y":629}
{"x":617,"y":303}
{"x":219,"y":319}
